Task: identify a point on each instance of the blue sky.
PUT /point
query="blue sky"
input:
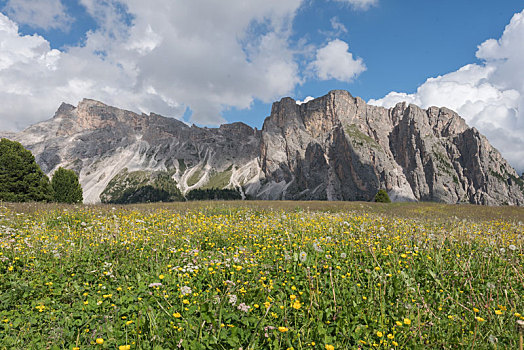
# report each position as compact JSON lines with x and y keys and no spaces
{"x":209,"y":63}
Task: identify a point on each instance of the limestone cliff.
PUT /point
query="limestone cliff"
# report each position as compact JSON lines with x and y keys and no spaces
{"x":335,"y":147}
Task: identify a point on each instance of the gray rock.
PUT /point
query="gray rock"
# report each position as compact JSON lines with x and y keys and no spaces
{"x":335,"y":147}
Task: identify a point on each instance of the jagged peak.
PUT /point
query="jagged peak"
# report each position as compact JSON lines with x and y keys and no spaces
{"x":64,"y":109}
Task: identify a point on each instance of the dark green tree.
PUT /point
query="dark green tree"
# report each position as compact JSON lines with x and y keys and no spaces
{"x":66,"y":187}
{"x":21,"y":179}
{"x":382,"y":197}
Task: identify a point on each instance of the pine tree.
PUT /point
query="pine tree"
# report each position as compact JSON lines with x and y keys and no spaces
{"x":66,"y":187}
{"x":21,"y":179}
{"x":382,"y":197}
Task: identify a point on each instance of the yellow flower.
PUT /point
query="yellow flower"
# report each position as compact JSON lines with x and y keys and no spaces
{"x":185,"y":301}
{"x":129,"y":322}
{"x":283,"y":329}
{"x":124,"y":347}
{"x":161,"y":277}
{"x":177,"y":315}
{"x":407,"y":321}
{"x":480,"y":319}
{"x":380,"y":334}
{"x":296,"y":305}
{"x":99,"y":341}
{"x":292,"y":297}
{"x":330,"y":347}
{"x":76,"y":348}
{"x":475,"y":309}
{"x":390,"y":336}
{"x":498,"y":312}
{"x":394,"y":343}
{"x":398,"y":323}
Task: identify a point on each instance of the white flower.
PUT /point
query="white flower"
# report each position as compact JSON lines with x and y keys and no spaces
{"x":343,"y":255}
{"x":185,"y":290}
{"x":243,"y":307}
{"x":512,"y":247}
{"x":232,"y":299}
{"x":303,"y":256}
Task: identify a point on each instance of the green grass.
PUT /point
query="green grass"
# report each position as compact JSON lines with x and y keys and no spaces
{"x":218,"y":180}
{"x":261,"y":275}
{"x":194,"y":178}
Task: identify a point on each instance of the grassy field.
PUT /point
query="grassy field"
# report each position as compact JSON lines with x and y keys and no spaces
{"x":261,"y":275}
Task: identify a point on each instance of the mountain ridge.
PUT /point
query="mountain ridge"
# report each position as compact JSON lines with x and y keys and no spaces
{"x":335,"y":147}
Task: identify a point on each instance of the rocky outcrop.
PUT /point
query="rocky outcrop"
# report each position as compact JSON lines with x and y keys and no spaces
{"x":335,"y":147}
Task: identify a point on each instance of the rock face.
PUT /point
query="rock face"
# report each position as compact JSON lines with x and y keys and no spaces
{"x":335,"y":147}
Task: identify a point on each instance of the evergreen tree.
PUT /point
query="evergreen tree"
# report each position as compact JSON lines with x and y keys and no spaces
{"x":21,"y":179}
{"x":66,"y":187}
{"x":382,"y":197}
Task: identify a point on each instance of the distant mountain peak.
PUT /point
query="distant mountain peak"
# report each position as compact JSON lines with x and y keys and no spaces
{"x":334,"y":147}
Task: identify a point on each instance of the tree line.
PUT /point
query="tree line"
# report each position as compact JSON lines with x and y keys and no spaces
{"x":22,"y":180}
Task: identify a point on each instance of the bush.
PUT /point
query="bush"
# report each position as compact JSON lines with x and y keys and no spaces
{"x":21,"y":179}
{"x":66,"y":187}
{"x":382,"y":197}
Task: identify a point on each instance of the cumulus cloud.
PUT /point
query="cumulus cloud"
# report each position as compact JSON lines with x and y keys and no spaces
{"x":490,"y":95}
{"x":334,"y":61}
{"x":165,"y":58}
{"x":306,"y":100}
{"x":43,"y":14}
{"x":360,"y":4}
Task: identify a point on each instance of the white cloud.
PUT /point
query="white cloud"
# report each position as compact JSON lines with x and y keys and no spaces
{"x":360,"y":4}
{"x":334,"y":61}
{"x":306,"y":100}
{"x":163,"y":58}
{"x":44,"y":14}
{"x":490,"y":96}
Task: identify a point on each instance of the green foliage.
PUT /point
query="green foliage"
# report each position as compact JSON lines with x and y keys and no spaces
{"x":194,"y":178}
{"x":66,"y":187}
{"x":213,"y":194}
{"x":250,"y":276}
{"x":21,"y":179}
{"x":382,"y":197}
{"x":141,"y":187}
{"x":219,"y":180}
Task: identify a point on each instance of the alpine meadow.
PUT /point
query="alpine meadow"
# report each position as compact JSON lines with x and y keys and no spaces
{"x":293,"y":275}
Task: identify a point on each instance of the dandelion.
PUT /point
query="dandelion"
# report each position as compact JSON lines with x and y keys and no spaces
{"x":161,"y":277}
{"x":380,"y":334}
{"x":343,"y":255}
{"x":512,"y":247}
{"x":407,"y":321}
{"x":328,"y":347}
{"x":317,"y":247}
{"x":99,"y":341}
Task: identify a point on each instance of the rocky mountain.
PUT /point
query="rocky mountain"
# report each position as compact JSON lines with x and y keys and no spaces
{"x":335,"y":147}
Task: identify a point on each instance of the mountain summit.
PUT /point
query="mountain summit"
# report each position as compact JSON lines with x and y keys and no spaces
{"x":335,"y":147}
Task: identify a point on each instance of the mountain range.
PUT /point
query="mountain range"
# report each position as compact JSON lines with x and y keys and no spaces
{"x":335,"y":147}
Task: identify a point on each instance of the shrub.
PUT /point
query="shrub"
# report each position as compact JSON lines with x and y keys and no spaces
{"x":382,"y":197}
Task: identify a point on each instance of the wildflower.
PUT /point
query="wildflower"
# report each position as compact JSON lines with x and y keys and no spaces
{"x":380,"y":334}
{"x":303,"y":256}
{"x":99,"y":341}
{"x":292,"y":297}
{"x":398,"y":323}
{"x":480,"y":319}
{"x":283,"y":329}
{"x":243,"y":307}
{"x":512,"y":247}
{"x":475,"y":310}
{"x":154,"y":285}
{"x":177,"y":315}
{"x":390,"y":336}
{"x":296,"y":305}
{"x":124,"y":347}
{"x":330,"y":347}
{"x":394,"y":343}
{"x":161,"y":277}
{"x":343,"y":255}
{"x":185,"y":290}
{"x":407,"y":321}
{"x":498,"y":312}
{"x":232,"y":299}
